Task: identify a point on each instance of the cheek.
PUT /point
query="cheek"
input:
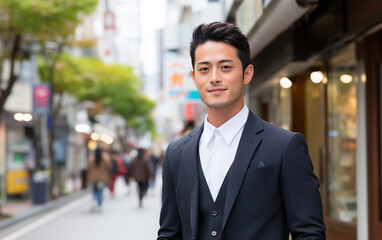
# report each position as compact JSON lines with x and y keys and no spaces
{"x":199,"y":83}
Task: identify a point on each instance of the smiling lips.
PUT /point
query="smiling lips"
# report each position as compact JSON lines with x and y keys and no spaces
{"x":216,"y":90}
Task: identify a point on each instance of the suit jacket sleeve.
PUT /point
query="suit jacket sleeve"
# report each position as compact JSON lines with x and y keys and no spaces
{"x":170,"y":227}
{"x":300,"y":192}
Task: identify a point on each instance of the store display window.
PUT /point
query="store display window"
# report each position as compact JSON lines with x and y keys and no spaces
{"x":342,"y":135}
{"x":274,"y":105}
{"x":314,"y":123}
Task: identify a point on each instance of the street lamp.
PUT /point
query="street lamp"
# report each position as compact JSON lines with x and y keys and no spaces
{"x":23,"y":117}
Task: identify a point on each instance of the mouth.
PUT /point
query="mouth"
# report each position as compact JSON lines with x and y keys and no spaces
{"x":216,"y":90}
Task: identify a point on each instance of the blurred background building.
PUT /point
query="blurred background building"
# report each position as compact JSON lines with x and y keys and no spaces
{"x":318,"y":72}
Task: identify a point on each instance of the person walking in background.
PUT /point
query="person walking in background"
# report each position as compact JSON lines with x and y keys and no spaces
{"x":236,"y":176}
{"x":128,"y":156}
{"x":153,"y":162}
{"x":141,"y":173}
{"x":117,"y":169}
{"x":98,"y":176}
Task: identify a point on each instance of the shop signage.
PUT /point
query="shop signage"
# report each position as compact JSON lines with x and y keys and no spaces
{"x":41,"y":99}
{"x":178,"y":81}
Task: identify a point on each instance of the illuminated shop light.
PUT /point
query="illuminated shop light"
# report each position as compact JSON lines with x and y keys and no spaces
{"x":316,"y":76}
{"x":106,"y":139}
{"x":83,"y":128}
{"x":109,"y":140}
{"x":18,"y":117}
{"x":92,"y":145}
{"x":346,"y":78}
{"x":27,"y":117}
{"x":23,"y":117}
{"x":95,"y":136}
{"x":103,"y":137}
{"x":285,"y":82}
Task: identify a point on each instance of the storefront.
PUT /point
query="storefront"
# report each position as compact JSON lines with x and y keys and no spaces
{"x":324,"y":110}
{"x":372,"y":45}
{"x":341,"y":141}
{"x":19,"y":155}
{"x":339,"y":113}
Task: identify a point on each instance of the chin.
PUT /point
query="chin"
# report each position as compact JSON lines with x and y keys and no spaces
{"x":217,"y":105}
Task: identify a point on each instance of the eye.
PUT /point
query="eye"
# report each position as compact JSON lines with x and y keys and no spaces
{"x":203,"y":69}
{"x":226,"y":67}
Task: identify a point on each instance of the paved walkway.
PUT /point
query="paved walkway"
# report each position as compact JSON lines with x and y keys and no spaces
{"x":16,"y":206}
{"x":120,"y":218}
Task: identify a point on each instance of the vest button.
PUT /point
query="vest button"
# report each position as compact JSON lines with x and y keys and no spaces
{"x":214,"y":213}
{"x":214,"y":233}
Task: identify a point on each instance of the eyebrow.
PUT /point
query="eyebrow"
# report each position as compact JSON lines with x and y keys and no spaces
{"x":221,"y":61}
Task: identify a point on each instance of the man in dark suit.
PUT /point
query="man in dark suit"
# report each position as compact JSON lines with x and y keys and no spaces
{"x":236,"y":177}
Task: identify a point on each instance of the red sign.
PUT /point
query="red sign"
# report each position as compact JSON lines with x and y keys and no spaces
{"x":41,"y":99}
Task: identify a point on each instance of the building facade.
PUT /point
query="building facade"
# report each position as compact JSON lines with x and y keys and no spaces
{"x":329,"y":53}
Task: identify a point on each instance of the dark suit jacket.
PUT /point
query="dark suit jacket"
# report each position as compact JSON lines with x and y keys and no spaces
{"x":272,"y":189}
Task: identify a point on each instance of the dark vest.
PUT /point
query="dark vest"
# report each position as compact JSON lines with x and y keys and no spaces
{"x":210,"y":213}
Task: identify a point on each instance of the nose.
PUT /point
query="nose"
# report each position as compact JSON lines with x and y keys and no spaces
{"x":215,"y":76}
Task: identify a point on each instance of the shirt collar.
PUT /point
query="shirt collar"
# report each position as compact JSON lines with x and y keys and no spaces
{"x":229,"y":129}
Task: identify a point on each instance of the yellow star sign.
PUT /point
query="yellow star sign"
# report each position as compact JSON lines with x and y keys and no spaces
{"x":176,"y":79}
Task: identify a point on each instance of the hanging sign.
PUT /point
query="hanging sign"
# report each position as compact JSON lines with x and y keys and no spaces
{"x":41,"y":99}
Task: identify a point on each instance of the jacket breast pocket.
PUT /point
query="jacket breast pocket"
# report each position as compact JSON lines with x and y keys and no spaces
{"x":260,"y":171}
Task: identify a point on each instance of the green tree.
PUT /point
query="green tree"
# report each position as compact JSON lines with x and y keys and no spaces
{"x":114,"y":85}
{"x":23,"y":22}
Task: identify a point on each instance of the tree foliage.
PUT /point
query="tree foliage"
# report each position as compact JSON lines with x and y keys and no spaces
{"x":35,"y":21}
{"x":43,"y":18}
{"x":27,"y":22}
{"x":114,"y":85}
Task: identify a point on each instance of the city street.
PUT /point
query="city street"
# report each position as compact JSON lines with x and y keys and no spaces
{"x":120,"y":218}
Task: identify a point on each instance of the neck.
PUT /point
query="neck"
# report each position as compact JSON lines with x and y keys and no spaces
{"x":219,"y":116}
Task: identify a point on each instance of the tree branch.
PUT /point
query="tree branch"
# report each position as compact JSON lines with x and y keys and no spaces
{"x":12,"y":76}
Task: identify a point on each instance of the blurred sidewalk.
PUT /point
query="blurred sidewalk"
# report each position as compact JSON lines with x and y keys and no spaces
{"x":20,"y":210}
{"x":16,"y":206}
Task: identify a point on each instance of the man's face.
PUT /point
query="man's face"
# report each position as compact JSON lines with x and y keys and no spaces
{"x":218,"y":76}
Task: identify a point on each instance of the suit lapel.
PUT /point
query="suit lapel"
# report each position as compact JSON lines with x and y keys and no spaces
{"x":247,"y":146}
{"x":190,"y":165}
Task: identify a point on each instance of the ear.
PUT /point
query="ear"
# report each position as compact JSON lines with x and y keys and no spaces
{"x":248,"y":74}
{"x":193,"y":78}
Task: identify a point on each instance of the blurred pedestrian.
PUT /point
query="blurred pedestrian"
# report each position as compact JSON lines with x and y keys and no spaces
{"x":128,"y":156}
{"x":153,"y":162}
{"x":117,"y":169}
{"x":236,"y":176}
{"x":141,"y":173}
{"x":98,"y":176}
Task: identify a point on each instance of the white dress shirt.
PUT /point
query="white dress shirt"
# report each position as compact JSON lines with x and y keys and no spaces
{"x":217,"y":149}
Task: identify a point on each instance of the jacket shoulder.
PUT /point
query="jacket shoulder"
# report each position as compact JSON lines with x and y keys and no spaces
{"x":275,"y":134}
{"x":175,"y":148}
{"x":179,"y":143}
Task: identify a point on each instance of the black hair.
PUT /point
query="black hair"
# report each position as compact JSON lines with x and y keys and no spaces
{"x":141,"y":153}
{"x":221,"y":32}
{"x":98,"y":156}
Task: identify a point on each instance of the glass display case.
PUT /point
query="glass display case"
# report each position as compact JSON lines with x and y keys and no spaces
{"x":342,"y":135}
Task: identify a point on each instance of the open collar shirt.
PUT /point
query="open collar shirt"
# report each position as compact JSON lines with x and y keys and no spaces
{"x":217,"y":149}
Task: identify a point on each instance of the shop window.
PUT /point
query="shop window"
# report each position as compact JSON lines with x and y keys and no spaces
{"x":274,"y":105}
{"x":314,"y":123}
{"x":342,"y":135}
{"x":284,"y":108}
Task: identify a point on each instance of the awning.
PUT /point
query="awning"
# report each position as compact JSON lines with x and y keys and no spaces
{"x":277,"y":17}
